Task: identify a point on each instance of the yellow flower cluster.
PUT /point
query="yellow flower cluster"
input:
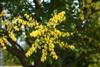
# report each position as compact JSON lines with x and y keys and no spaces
{"x":82,"y":14}
{"x":48,"y":35}
{"x":61,"y":44}
{"x":31,"y":50}
{"x":51,"y":47}
{"x":57,"y":33}
{"x":27,"y":16}
{"x":2,"y":43}
{"x":32,"y":23}
{"x":21,"y":21}
{"x":16,"y":28}
{"x":52,"y":52}
{"x":2,"y":13}
{"x":44,"y":54}
{"x":38,"y":32}
{"x":17,"y":23}
{"x":70,"y":46}
{"x":35,"y":33}
{"x":67,"y":34}
{"x":54,"y":55}
{"x":12,"y":35}
{"x":56,"y":18}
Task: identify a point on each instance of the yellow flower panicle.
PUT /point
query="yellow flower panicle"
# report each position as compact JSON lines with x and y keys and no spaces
{"x":38,"y":32}
{"x":51,"y":47}
{"x":31,"y":51}
{"x":58,"y":33}
{"x":48,"y":35}
{"x":56,"y":18}
{"x":12,"y":35}
{"x":27,"y":16}
{"x":53,"y":54}
{"x":2,"y":43}
{"x":61,"y":44}
{"x":67,"y":34}
{"x":21,"y":21}
{"x":44,"y":55}
{"x":3,"y":13}
{"x":16,"y":28}
{"x":82,"y":14}
{"x":30,"y":22}
{"x":70,"y":46}
{"x":35,"y":33}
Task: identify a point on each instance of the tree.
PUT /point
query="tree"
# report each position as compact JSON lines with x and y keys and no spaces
{"x":54,"y":36}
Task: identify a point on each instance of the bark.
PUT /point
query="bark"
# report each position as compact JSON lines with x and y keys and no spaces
{"x":38,"y":63}
{"x":19,"y":55}
{"x":37,"y":3}
{"x":1,"y":8}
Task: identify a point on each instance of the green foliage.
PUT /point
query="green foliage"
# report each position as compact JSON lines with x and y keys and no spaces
{"x":9,"y":59}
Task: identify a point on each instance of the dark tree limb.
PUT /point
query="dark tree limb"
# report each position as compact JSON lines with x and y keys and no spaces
{"x":18,"y":54}
{"x":11,"y":41}
{"x":14,"y":50}
{"x":1,"y":8}
{"x":37,"y":3}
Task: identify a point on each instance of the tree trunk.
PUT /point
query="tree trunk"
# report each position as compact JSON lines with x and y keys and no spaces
{"x":19,"y":55}
{"x":23,"y":61}
{"x":1,"y":57}
{"x":18,"y":52}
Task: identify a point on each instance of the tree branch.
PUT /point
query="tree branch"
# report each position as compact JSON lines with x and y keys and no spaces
{"x":15,"y":44}
{"x":18,"y":54}
{"x":37,"y":3}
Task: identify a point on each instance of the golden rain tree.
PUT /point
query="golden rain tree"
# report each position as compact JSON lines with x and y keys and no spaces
{"x":56,"y":33}
{"x":41,"y":38}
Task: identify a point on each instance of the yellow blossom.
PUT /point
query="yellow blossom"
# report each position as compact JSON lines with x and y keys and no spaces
{"x":81,"y":16}
{"x":31,"y":51}
{"x":16,"y":28}
{"x":38,"y":32}
{"x":70,"y":46}
{"x":2,"y":13}
{"x":57,"y":32}
{"x":24,"y":22}
{"x":67,"y":34}
{"x":2,"y":43}
{"x":61,"y":44}
{"x":27,"y":16}
{"x":44,"y":55}
{"x":51,"y":46}
{"x":56,"y":18}
{"x":71,"y":33}
{"x":30,"y":19}
{"x":12,"y":35}
{"x":54,"y":55}
{"x":35,"y":33}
